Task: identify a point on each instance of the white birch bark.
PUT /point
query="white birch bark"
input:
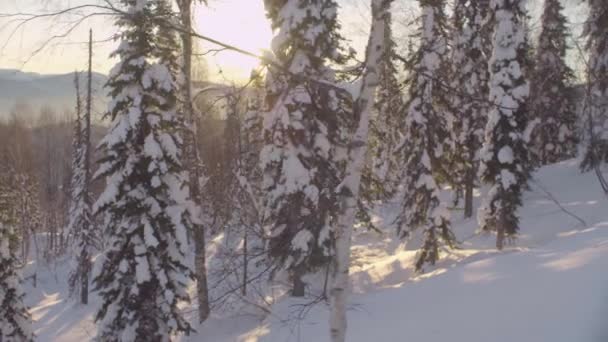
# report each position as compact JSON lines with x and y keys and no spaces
{"x":349,"y":188}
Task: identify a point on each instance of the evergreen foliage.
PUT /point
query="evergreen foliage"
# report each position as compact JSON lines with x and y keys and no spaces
{"x":80,"y":224}
{"x":553,"y":103}
{"x":15,"y":322}
{"x":596,"y":32}
{"x":504,"y":155}
{"x":425,"y":137}
{"x":382,"y":173}
{"x":469,"y":86}
{"x":305,"y":133}
{"x":143,"y":274}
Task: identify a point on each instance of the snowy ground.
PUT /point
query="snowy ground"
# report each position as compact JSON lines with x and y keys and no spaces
{"x":551,"y":286}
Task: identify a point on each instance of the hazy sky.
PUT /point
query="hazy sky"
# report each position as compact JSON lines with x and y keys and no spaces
{"x":238,"y":22}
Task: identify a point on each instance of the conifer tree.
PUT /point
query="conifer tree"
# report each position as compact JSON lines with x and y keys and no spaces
{"x":80,"y":218}
{"x":192,"y":157}
{"x":15,"y":322}
{"x":305,"y":129}
{"x":143,"y":274}
{"x":552,"y":100}
{"x":469,"y":76}
{"x":504,"y":155}
{"x":425,"y":136}
{"x":596,"y":32}
{"x":382,"y":174}
{"x":76,"y":141}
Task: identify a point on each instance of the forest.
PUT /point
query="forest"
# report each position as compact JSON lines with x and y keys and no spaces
{"x":449,"y":172}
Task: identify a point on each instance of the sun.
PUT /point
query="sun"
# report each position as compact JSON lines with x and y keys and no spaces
{"x":241,"y":23}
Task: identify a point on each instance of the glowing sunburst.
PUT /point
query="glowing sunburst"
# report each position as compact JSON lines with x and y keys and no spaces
{"x":241,"y":23}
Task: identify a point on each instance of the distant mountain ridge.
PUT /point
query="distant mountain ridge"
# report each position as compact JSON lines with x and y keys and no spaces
{"x":54,"y":90}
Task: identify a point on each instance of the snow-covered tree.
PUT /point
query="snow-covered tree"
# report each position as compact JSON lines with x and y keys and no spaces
{"x":596,"y":32}
{"x":469,"y":87}
{"x":143,"y":275}
{"x":504,"y":155}
{"x":553,"y":101}
{"x":192,"y":157}
{"x":80,"y":224}
{"x":382,"y":172}
{"x":15,"y":322}
{"x":305,"y":131}
{"x":425,"y":136}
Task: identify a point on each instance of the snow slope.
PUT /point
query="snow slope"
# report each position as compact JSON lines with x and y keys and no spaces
{"x":550,"y":286}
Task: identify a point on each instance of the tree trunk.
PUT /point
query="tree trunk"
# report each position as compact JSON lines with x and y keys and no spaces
{"x":349,"y":191}
{"x":245,"y":262}
{"x":201,"y":275}
{"x":85,"y":257}
{"x":192,"y":160}
{"x":84,"y":280}
{"x":468,"y":193}
{"x":500,"y":229}
{"x":299,"y":287}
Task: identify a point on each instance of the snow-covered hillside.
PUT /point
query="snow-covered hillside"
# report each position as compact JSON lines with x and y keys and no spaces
{"x":552,"y":285}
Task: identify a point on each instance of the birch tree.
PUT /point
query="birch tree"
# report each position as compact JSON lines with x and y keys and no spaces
{"x":350,"y":185}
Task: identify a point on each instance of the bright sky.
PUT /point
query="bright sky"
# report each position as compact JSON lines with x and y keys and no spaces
{"x":238,"y":22}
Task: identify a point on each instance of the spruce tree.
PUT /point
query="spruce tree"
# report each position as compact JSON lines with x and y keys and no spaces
{"x":470,"y":78}
{"x":382,"y":173}
{"x":80,"y":221}
{"x":596,"y":32}
{"x":15,"y":322}
{"x":553,"y":103}
{"x":305,"y":131}
{"x":425,"y":136}
{"x":192,"y":158}
{"x":143,"y":274}
{"x":504,"y":155}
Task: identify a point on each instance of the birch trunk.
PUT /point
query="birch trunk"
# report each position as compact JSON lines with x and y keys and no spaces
{"x":349,"y":189}
{"x":192,"y":160}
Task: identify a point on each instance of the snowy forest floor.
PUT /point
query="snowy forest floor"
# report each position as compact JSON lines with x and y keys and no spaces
{"x":550,"y":285}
